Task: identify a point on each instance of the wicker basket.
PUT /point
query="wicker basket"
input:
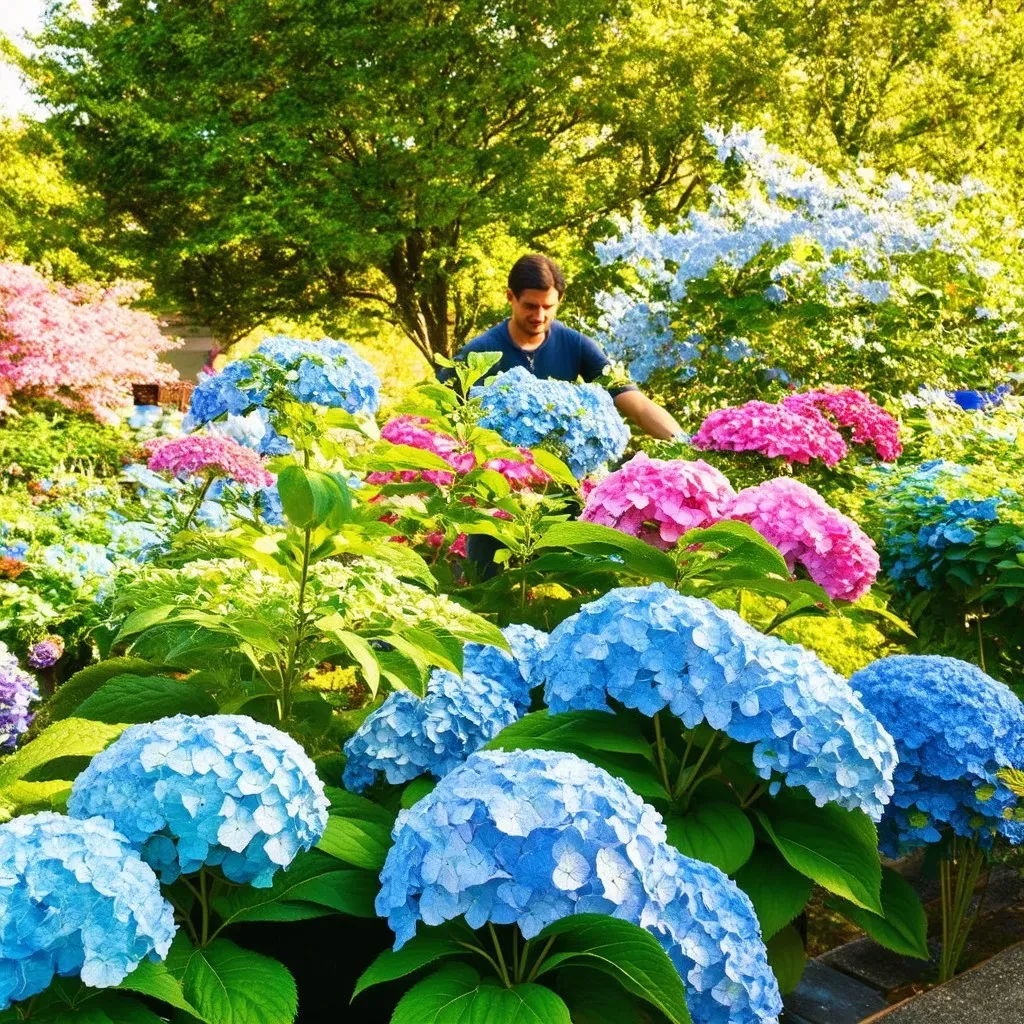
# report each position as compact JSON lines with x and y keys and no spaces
{"x":178,"y":394}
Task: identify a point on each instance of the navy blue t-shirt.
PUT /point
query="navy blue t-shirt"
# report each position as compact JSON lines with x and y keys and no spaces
{"x":564,"y":354}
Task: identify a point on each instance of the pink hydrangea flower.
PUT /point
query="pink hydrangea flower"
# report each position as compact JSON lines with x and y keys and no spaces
{"x":658,"y":500}
{"x":204,"y":454}
{"x":797,"y":435}
{"x":850,"y":408}
{"x":522,"y":474}
{"x":837,"y":554}
{"x":409,"y":430}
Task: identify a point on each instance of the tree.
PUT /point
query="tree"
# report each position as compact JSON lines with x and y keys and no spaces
{"x":288,"y":157}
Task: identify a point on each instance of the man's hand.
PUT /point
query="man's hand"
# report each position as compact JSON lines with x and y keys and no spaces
{"x":647,"y":415}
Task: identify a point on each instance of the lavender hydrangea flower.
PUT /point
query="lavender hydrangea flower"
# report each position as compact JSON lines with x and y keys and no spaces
{"x":221,"y":790}
{"x":75,"y":899}
{"x":407,"y":737}
{"x":578,"y":421}
{"x":529,"y":837}
{"x":46,"y":653}
{"x":18,"y":690}
{"x":955,"y":727}
{"x":651,"y":648}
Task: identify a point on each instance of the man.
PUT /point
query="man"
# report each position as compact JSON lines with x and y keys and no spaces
{"x":533,"y":338}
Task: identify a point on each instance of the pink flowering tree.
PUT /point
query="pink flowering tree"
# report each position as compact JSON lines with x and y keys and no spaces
{"x":82,"y":346}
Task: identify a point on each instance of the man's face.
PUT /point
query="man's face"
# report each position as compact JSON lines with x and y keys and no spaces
{"x":534,"y":310}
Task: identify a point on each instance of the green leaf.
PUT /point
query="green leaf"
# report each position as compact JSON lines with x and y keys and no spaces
{"x":311,"y":878}
{"x":429,"y":946}
{"x":155,"y":980}
{"x":555,"y":468}
{"x":358,"y":830}
{"x":718,"y":833}
{"x":903,"y":928}
{"x":591,"y":538}
{"x":521,"y":1004}
{"x":308,"y":497}
{"x":145,"y":618}
{"x":417,"y":790}
{"x":400,"y":457}
{"x":778,"y":892}
{"x":626,"y":952}
{"x":86,"y":682}
{"x":364,"y":656}
{"x":745,"y":546}
{"x":231,"y":985}
{"x":67,"y":738}
{"x":443,"y":998}
{"x":836,"y":848}
{"x":786,"y":957}
{"x":593,"y":998}
{"x":130,"y":698}
{"x":610,"y":741}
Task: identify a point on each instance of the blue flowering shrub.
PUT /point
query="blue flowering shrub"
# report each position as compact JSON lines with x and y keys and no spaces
{"x":955,"y":728}
{"x":75,"y":900}
{"x":222,"y":790}
{"x":247,"y":396}
{"x":531,"y":837}
{"x":652,"y":649}
{"x":951,"y":539}
{"x":407,"y":736}
{"x":577,"y":422}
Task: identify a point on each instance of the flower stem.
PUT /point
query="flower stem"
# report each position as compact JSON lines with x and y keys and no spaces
{"x":981,"y":642}
{"x":685,"y":785}
{"x":959,"y":874}
{"x":300,"y":628}
{"x":199,"y":500}
{"x":204,"y":935}
{"x":543,"y":956}
{"x":501,"y":956}
{"x":659,"y":746}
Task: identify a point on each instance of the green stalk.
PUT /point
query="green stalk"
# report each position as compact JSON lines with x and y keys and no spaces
{"x":543,"y":956}
{"x":659,"y":746}
{"x":300,"y":627}
{"x":501,"y":956}
{"x":204,"y":935}
{"x":981,"y":642}
{"x":684,"y":787}
{"x":199,"y":500}
{"x":959,"y":874}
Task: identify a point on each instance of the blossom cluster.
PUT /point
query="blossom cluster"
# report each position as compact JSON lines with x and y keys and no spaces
{"x":325,"y":372}
{"x":407,"y":737}
{"x":219,"y":790}
{"x":850,"y":408}
{"x":659,"y":500}
{"x":578,"y":422}
{"x":651,"y":648}
{"x":83,"y":348}
{"x":797,"y":435}
{"x":210,"y":456}
{"x":954,"y":727}
{"x":530,"y":837}
{"x":18,"y":690}
{"x":836,"y":553}
{"x":75,"y":899}
{"x":45,"y":653}
{"x":410,"y":430}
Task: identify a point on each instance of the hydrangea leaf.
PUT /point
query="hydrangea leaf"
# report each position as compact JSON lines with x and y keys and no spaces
{"x":595,"y":999}
{"x":592,"y":538}
{"x":426,"y":948}
{"x":718,"y":833}
{"x":231,"y":985}
{"x":84,"y":683}
{"x":443,"y":998}
{"x":416,"y":790}
{"x":836,"y":848}
{"x":155,"y":980}
{"x":358,"y":830}
{"x":311,"y":878}
{"x":622,"y":950}
{"x":67,"y":738}
{"x":521,"y":1004}
{"x":787,"y":956}
{"x":130,"y":698}
{"x":904,"y":926}
{"x":777,"y":891}
{"x":554,"y":467}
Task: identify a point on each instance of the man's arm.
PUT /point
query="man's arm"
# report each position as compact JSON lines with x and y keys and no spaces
{"x":647,"y":415}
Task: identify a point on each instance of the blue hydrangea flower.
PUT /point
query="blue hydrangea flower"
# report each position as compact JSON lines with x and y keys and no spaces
{"x":222,"y":790}
{"x":325,"y":372}
{"x":529,"y":837}
{"x":18,"y":690}
{"x":134,"y":540}
{"x":954,"y":727}
{"x":579,"y":422}
{"x":75,"y":899}
{"x":651,"y":648}
{"x":78,"y":561}
{"x":16,"y":549}
{"x":407,"y":737}
{"x":145,"y":416}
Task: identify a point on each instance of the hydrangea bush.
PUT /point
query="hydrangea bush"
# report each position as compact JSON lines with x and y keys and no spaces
{"x":835,"y":552}
{"x":18,"y":691}
{"x":75,"y":900}
{"x":650,"y":648}
{"x":659,"y":500}
{"x":531,"y":837}
{"x":223,"y":790}
{"x":578,"y":422}
{"x":407,"y":736}
{"x":954,"y":728}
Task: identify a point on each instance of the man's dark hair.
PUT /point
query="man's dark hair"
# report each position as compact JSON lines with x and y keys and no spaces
{"x":538,"y":272}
